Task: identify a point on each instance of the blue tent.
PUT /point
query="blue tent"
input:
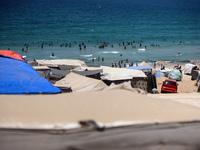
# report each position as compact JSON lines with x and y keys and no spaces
{"x":17,"y":77}
{"x":159,"y":74}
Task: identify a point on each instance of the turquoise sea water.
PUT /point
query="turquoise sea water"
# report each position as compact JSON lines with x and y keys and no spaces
{"x":172,"y":25}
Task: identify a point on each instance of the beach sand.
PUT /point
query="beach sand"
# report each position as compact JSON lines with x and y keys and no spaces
{"x":107,"y":107}
{"x":185,"y":86}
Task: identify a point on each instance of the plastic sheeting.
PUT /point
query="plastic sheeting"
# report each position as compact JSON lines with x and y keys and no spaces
{"x":17,"y":77}
{"x":175,"y":75}
{"x":59,"y":62}
{"x":139,"y":68}
{"x":159,"y":74}
{"x":11,"y":54}
{"x":79,"y":83}
{"x":113,"y":74}
{"x":188,"y":68}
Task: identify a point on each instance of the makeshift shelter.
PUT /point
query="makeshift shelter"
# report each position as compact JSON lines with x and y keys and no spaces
{"x":113,"y":74}
{"x":195,"y":74}
{"x":79,"y":83}
{"x":60,"y":73}
{"x":17,"y":77}
{"x":159,"y":74}
{"x":188,"y":68}
{"x":119,"y":75}
{"x":44,"y":71}
{"x":175,"y":75}
{"x":61,"y":62}
{"x":11,"y":54}
{"x":151,"y":83}
{"x":96,"y":74}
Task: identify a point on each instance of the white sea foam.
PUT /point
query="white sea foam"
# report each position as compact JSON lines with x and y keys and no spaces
{"x":141,"y":49}
{"x":109,"y":52}
{"x":90,"y":55}
{"x":53,"y":56}
{"x":92,"y":58}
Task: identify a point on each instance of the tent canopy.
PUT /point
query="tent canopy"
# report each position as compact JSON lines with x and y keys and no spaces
{"x":60,"y":62}
{"x":188,"y":68}
{"x":139,"y":67}
{"x":113,"y":74}
{"x":11,"y":54}
{"x":17,"y":77}
{"x":79,"y":83}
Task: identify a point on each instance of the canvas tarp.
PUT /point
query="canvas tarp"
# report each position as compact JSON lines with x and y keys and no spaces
{"x":17,"y":77}
{"x":57,"y":62}
{"x":175,"y":75}
{"x":89,"y":72}
{"x":79,"y":83}
{"x":113,"y":74}
{"x":11,"y":54}
{"x":188,"y":68}
{"x":44,"y":71}
{"x":60,"y":73}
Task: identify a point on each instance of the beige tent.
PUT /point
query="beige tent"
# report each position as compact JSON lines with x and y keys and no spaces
{"x":113,"y":74}
{"x":57,"y":62}
{"x":79,"y":83}
{"x":143,"y":64}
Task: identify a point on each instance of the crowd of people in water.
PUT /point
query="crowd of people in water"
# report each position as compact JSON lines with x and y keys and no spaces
{"x":100,"y":45}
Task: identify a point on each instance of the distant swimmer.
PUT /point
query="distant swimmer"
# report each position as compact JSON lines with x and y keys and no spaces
{"x":52,"y":54}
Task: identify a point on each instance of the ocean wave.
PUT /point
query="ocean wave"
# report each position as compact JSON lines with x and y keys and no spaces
{"x":92,"y":58}
{"x":109,"y":52}
{"x":141,"y":49}
{"x":90,"y":55}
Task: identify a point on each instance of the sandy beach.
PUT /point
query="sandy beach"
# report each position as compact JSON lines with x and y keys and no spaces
{"x":185,"y":86}
{"x":107,"y":106}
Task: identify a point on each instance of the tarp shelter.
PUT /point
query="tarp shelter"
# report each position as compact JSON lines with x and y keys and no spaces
{"x":17,"y":77}
{"x":44,"y":71}
{"x":114,"y":74}
{"x":79,"y":83}
{"x":188,"y":68}
{"x":59,"y":62}
{"x":175,"y":75}
{"x":159,"y":74}
{"x":60,"y":73}
{"x":11,"y":54}
{"x":195,"y":74}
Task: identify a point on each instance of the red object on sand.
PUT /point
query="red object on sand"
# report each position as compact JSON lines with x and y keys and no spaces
{"x":169,"y":86}
{"x":11,"y":54}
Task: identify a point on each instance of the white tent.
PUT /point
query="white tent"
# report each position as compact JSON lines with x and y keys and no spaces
{"x":79,"y":83}
{"x":57,"y":62}
{"x":114,"y":74}
{"x":188,"y":68}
